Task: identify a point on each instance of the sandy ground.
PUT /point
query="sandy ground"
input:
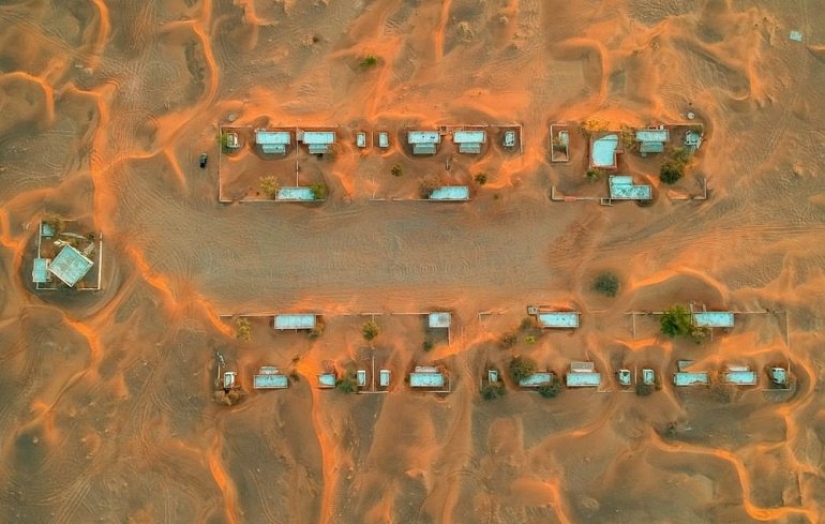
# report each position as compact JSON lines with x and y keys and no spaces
{"x":106,"y":397}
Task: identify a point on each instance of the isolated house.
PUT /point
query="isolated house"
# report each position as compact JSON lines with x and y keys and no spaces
{"x":295,"y":321}
{"x":424,"y":142}
{"x":273,"y":142}
{"x":450,"y":193}
{"x":470,"y":142}
{"x":737,"y":375}
{"x":652,"y":140}
{"x":603,"y":152}
{"x":536,"y":380}
{"x":427,"y":377}
{"x":269,"y":377}
{"x":318,"y":142}
{"x":583,"y":375}
{"x":684,"y":377}
{"x":778,"y":376}
{"x":713,"y":319}
{"x":622,"y":188}
{"x":558,"y":319}
{"x":70,"y":265}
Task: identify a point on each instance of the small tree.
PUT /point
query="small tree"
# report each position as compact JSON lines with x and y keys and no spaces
{"x":428,"y":344}
{"x":269,"y":186}
{"x":527,"y":323}
{"x":429,"y":184}
{"x":319,"y":191}
{"x":551,"y":390}
{"x":347,"y":384}
{"x":368,"y":62}
{"x":370,"y":330}
{"x":606,"y":284}
{"x":593,"y":174}
{"x":522,"y":367}
{"x":492,"y":390}
{"x":675,"y":322}
{"x":530,"y":339}
{"x":671,"y":172}
{"x":643,"y":389}
{"x":481,"y":179}
{"x":397,"y":170}
{"x":243,"y":329}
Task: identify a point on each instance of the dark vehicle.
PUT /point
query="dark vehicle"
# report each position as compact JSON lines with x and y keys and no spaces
{"x":203,"y":160}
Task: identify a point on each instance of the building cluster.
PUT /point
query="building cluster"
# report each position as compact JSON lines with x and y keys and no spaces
{"x":66,"y":256}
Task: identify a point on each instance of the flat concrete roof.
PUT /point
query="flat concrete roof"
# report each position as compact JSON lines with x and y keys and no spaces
{"x":270,"y":381}
{"x":426,"y":380}
{"x":603,"y":151}
{"x":559,"y":319}
{"x":470,"y":137}
{"x":40,"y":270}
{"x":295,"y":321}
{"x":583,"y":379}
{"x":326,"y":380}
{"x":713,"y":318}
{"x":451,"y":193}
{"x":384,"y":377}
{"x":623,"y":188}
{"x":536,"y":380}
{"x":272,"y":137}
{"x":652,"y":135}
{"x":70,"y":265}
{"x":695,"y":378}
{"x":423,"y":137}
{"x":740,"y":378}
{"x":439,"y":320}
{"x":296,"y":193}
{"x":648,"y":377}
{"x":318,"y":137}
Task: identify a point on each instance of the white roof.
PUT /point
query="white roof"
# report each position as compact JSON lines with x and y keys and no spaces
{"x":318,"y":137}
{"x":451,"y":193}
{"x":295,"y":321}
{"x":70,"y":265}
{"x":652,"y":135}
{"x":423,"y":137}
{"x":559,"y":319}
{"x":603,"y":152}
{"x":271,"y":138}
{"x":469,"y":137}
{"x":583,"y":379}
{"x":713,"y":318}
{"x":295,"y":193}
{"x":439,"y":320}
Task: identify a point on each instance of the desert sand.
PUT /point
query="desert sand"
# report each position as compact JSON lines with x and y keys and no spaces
{"x":106,"y":398}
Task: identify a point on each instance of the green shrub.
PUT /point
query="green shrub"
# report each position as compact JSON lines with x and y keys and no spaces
{"x":428,"y":344}
{"x":551,"y":390}
{"x":522,"y":367}
{"x":269,"y":186}
{"x":508,"y":340}
{"x":606,"y":284}
{"x":593,"y":174}
{"x":675,"y":322}
{"x":370,"y":330}
{"x":530,"y":339}
{"x":347,"y":384}
{"x":243,"y":329}
{"x":368,"y":62}
{"x":671,"y":172}
{"x":397,"y":170}
{"x":492,"y":390}
{"x":319,"y":191}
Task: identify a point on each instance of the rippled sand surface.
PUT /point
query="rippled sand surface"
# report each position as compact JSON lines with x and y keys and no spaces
{"x":106,"y":398}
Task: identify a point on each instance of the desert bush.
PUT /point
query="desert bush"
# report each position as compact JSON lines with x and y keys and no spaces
{"x":530,"y":339}
{"x":319,"y":191}
{"x":269,"y":186}
{"x":368,"y":62}
{"x":492,"y":390}
{"x":606,"y":284}
{"x":481,"y":179}
{"x":347,"y":384}
{"x":508,"y":340}
{"x":675,"y":322}
{"x":243,"y":329}
{"x":521,"y":367}
{"x":428,"y":344}
{"x":397,"y":170}
{"x":429,"y":184}
{"x":527,"y":323}
{"x":593,"y":174}
{"x":370,"y":330}
{"x":671,"y":172}
{"x":643,"y":389}
{"x":551,"y":390}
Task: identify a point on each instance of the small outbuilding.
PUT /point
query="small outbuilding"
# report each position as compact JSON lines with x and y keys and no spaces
{"x":509,"y":140}
{"x":295,"y":321}
{"x":361,"y":140}
{"x":269,"y":377}
{"x":384,"y":378}
{"x":625,"y":377}
{"x":383,"y":140}
{"x":583,"y":375}
{"x":272,"y":142}
{"x":470,"y":142}
{"x":558,"y":319}
{"x":439,"y":320}
{"x":778,"y":376}
{"x":424,"y":142}
{"x":648,"y":377}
